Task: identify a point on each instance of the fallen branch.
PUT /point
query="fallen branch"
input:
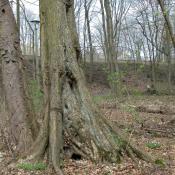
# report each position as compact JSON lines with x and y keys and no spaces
{"x":159,"y":109}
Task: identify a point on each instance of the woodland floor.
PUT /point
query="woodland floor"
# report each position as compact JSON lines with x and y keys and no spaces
{"x":152,"y":132}
{"x":149,"y":131}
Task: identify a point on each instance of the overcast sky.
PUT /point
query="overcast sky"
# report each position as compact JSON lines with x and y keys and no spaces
{"x":32,"y":5}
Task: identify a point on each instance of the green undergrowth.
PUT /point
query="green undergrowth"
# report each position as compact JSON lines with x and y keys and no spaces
{"x":153,"y":145}
{"x":32,"y":167}
{"x":36,"y":95}
{"x":135,"y":91}
{"x":103,"y":98}
{"x":160,"y":162}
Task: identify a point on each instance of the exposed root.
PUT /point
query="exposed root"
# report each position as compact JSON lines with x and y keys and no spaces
{"x":39,"y":147}
{"x":141,"y":155}
{"x":51,"y":132}
{"x":55,"y":140}
{"x":89,"y":132}
{"x":112,"y":152}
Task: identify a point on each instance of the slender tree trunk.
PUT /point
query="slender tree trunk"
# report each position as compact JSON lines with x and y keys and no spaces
{"x":168,"y":58}
{"x":84,"y":42}
{"x":18,"y":15}
{"x":110,"y":35}
{"x":21,"y":122}
{"x":104,"y":32}
{"x":167,"y":20}
{"x":169,"y":36}
{"x":90,"y":47}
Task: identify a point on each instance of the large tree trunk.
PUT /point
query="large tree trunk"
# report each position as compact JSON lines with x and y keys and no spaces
{"x":52,"y":53}
{"x":21,"y":123}
{"x":67,"y":99}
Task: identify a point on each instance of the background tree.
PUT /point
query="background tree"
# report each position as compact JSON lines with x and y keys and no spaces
{"x":87,"y":5}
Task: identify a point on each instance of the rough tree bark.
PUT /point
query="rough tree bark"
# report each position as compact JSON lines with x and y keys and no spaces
{"x":21,"y":123}
{"x":110,"y":37}
{"x":73,"y":32}
{"x":69,"y":105}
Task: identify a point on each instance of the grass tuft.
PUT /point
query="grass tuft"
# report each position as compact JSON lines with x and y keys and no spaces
{"x":160,"y":162}
{"x":32,"y":167}
{"x":153,"y":145}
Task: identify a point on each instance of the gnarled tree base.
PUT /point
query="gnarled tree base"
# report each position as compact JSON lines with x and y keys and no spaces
{"x":90,"y":135}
